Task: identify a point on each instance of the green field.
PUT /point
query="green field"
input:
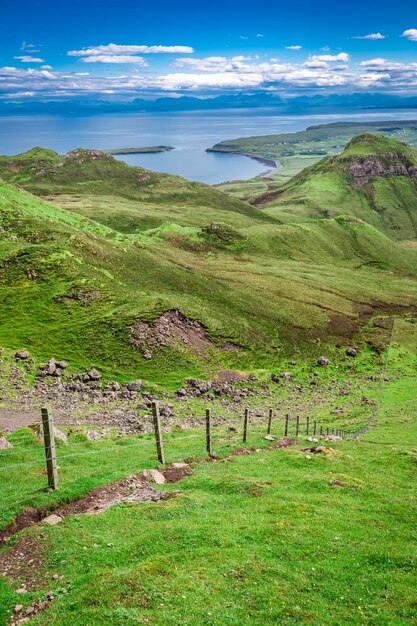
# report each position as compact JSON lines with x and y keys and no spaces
{"x":150,"y":276}
{"x":277,"y":536}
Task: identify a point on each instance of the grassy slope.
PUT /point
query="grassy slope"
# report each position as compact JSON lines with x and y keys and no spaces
{"x":326,"y":190}
{"x":128,"y":199}
{"x":296,"y":151}
{"x":269,"y":538}
{"x":273,"y":292}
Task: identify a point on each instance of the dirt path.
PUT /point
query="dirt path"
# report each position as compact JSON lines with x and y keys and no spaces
{"x":14,"y":419}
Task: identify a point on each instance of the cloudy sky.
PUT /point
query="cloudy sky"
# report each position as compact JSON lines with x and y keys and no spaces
{"x":119,"y":51}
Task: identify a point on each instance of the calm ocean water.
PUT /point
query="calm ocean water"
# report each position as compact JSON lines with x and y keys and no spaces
{"x":190,"y":133}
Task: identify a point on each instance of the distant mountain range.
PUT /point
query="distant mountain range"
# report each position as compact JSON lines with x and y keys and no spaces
{"x":255,"y":100}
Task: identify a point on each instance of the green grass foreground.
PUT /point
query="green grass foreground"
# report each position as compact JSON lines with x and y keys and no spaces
{"x":270,"y":538}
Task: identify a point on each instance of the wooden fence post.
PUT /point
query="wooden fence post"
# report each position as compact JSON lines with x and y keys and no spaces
{"x":269,"y":422}
{"x":157,"y":428}
{"x":245,"y":425}
{"x":208,"y":432}
{"x":314,"y":428}
{"x":286,"y":425}
{"x":297,"y":426}
{"x":308,"y":425}
{"x":50,"y":452}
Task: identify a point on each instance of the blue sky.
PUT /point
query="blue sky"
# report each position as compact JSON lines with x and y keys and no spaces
{"x":100,"y":49}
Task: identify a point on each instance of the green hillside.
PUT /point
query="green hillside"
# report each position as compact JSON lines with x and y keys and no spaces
{"x":373,"y":179}
{"x":128,"y":199}
{"x":296,"y":151}
{"x":259,"y":291}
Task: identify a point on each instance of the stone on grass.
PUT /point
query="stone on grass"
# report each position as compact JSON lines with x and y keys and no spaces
{"x":22,"y":355}
{"x":134,"y":386}
{"x":93,"y":435}
{"x":4,"y":444}
{"x":51,"y":367}
{"x":94,"y":374}
{"x":351,"y":352}
{"x":269,"y":437}
{"x":322,"y":360}
{"x":180,"y":465}
{"x":57,"y":433}
{"x":154,"y":476}
{"x":52,"y":520}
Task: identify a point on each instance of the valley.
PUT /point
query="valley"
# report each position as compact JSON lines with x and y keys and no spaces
{"x":121,"y":287}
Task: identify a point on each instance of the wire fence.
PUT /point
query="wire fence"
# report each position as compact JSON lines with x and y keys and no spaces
{"x":58,"y":460}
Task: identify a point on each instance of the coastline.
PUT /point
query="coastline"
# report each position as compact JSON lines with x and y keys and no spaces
{"x":273,"y":165}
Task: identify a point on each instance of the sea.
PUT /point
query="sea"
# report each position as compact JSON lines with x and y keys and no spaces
{"x":189,"y":133}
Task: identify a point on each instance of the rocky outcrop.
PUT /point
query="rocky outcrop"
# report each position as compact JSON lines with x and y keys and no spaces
{"x":364,"y":168}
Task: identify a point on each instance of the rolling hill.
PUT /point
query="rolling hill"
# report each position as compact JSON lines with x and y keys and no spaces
{"x":373,"y":179}
{"x":149,"y":275}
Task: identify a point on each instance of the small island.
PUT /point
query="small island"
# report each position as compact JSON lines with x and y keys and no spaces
{"x":146,"y":150}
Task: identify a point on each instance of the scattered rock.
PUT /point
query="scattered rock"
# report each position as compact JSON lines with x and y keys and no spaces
{"x":269,"y":438}
{"x":22,"y":355}
{"x":62,"y":365}
{"x":323,"y":361}
{"x":351,"y":351}
{"x":180,"y":465}
{"x":4,"y":444}
{"x":58,"y":434}
{"x":18,"y":608}
{"x":93,"y":435}
{"x":154,"y":476}
{"x":134,"y":386}
{"x":52,"y":520}
{"x":94,"y":374}
{"x":51,"y":367}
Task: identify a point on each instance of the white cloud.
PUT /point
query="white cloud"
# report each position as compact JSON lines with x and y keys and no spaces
{"x":213,"y":64}
{"x":293,"y":47}
{"x":322,"y":72}
{"x":315,"y":63}
{"x":410,"y":34}
{"x":217,"y":80}
{"x":260,"y":35}
{"x":29,"y":59}
{"x":342,"y":56}
{"x":103,"y":58}
{"x":115,"y":49}
{"x":380,"y":64}
{"x":373,"y":36}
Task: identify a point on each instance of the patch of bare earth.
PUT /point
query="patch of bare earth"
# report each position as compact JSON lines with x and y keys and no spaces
{"x":22,"y":562}
{"x":171,"y":329}
{"x":134,"y":488}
